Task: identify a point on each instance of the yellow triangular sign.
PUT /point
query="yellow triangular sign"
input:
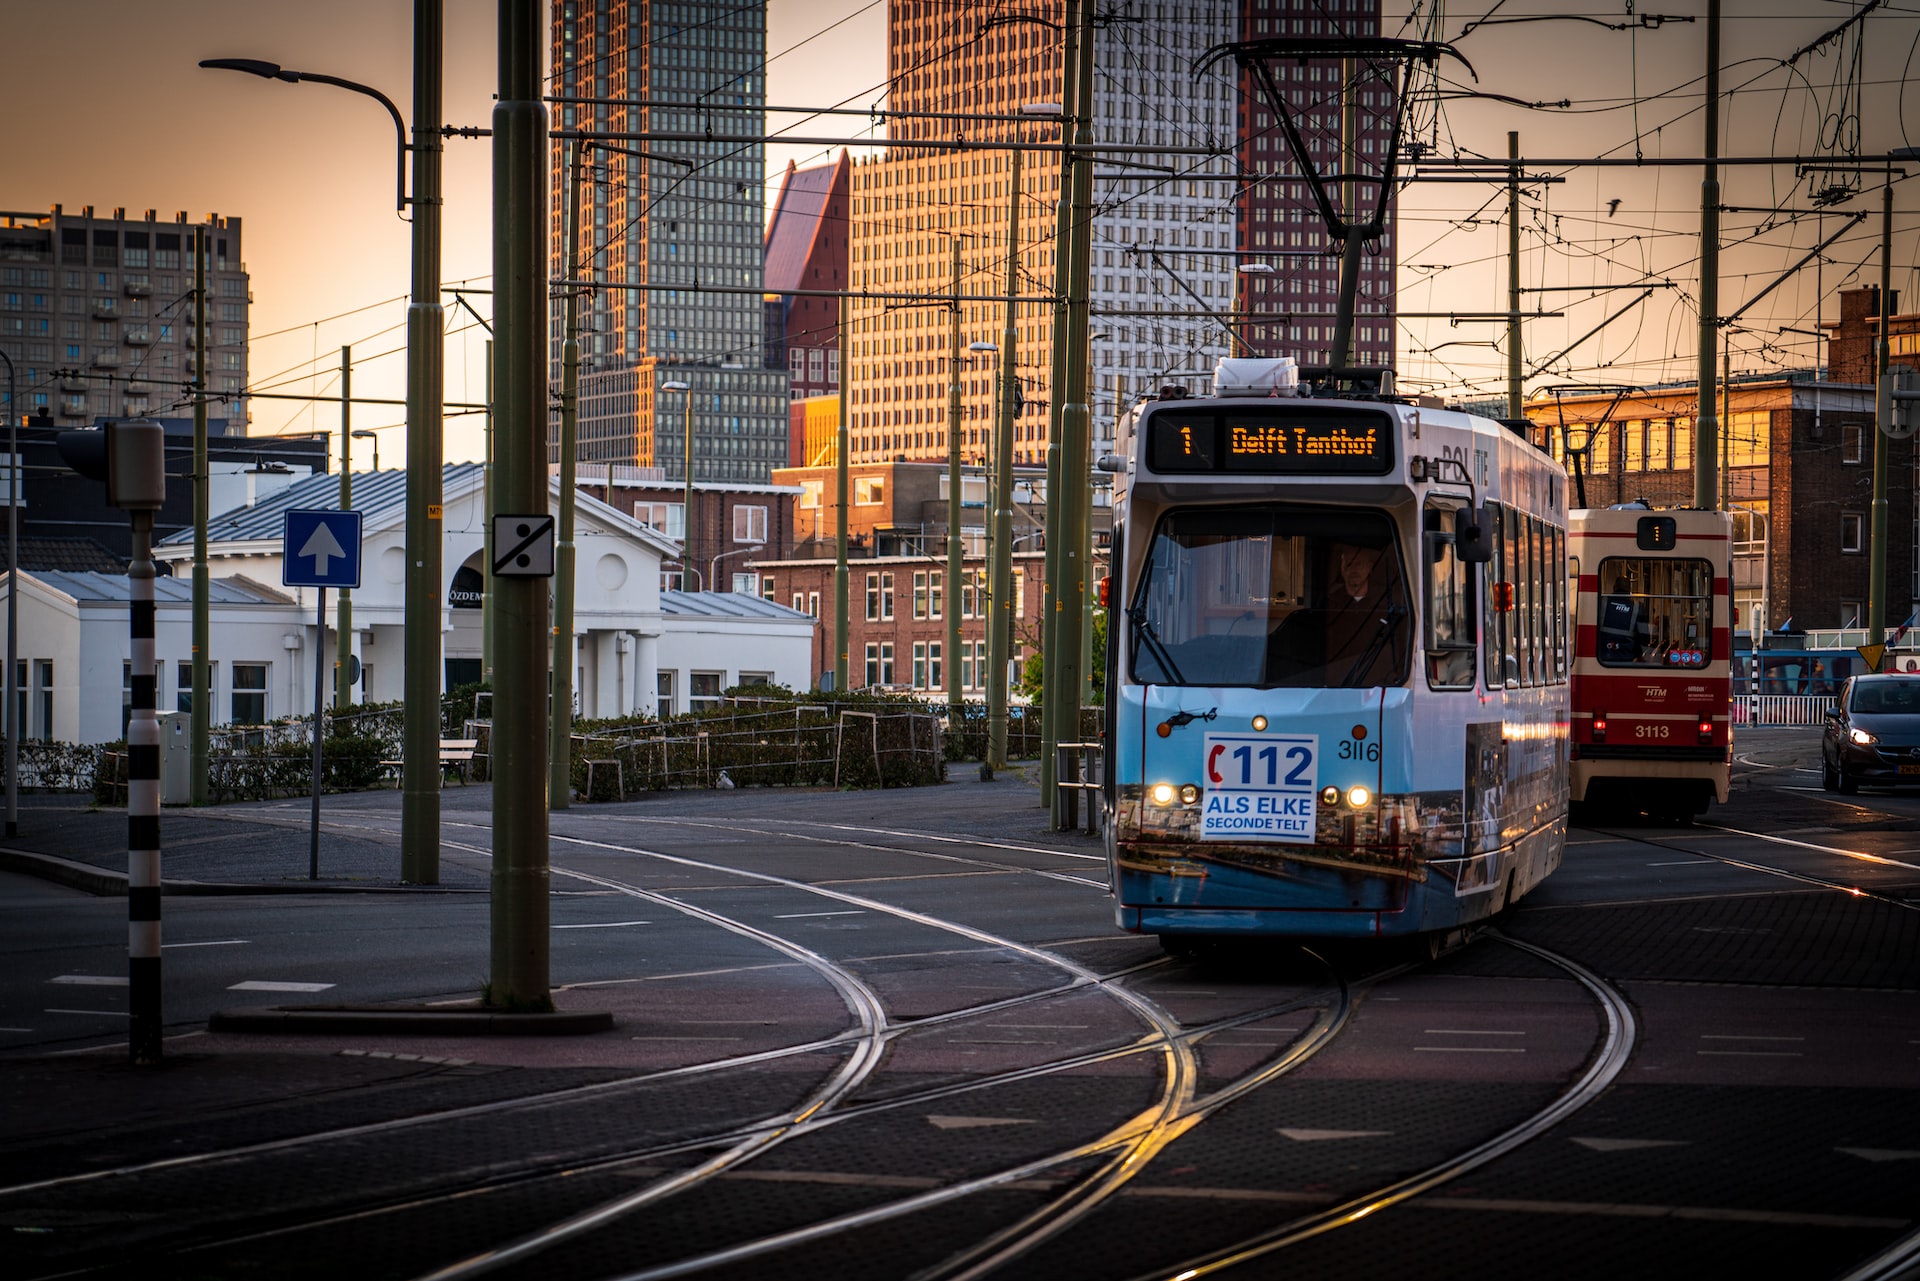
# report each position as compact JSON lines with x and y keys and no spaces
{"x":1873,"y":654}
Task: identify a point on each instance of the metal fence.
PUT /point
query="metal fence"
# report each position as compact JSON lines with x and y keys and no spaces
{"x":1781,"y":709}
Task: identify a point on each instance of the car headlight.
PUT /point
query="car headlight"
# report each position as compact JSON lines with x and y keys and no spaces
{"x":1861,"y":737}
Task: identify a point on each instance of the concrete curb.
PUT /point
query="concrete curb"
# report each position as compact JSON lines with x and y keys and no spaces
{"x":110,"y":884}
{"x":408,"y":1020}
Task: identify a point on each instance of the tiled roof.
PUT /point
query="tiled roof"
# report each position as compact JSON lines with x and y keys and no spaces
{"x":727,"y":605}
{"x":68,"y":555}
{"x":376,"y":494}
{"x":112,"y":587}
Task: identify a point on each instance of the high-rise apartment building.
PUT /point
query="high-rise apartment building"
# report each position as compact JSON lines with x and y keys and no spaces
{"x":671,"y":237}
{"x":1290,"y":312}
{"x":97,"y":313}
{"x":1163,"y":239}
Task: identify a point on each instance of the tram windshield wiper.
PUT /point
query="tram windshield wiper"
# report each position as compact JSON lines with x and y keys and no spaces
{"x":1382,"y":635}
{"x":1143,"y":628}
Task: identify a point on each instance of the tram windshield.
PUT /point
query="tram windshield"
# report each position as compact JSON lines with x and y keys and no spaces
{"x":1651,"y":608}
{"x":1271,"y":596}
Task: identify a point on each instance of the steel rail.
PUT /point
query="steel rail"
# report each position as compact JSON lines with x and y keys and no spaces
{"x":1767,"y":869}
{"x":1615,"y":1047}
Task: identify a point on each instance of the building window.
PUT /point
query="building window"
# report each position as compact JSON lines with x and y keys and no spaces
{"x":667,"y":518}
{"x":920,"y":665}
{"x":672,"y":580}
{"x":873,"y":663}
{"x":1852,"y":613}
{"x":663,"y":693}
{"x":937,"y":581}
{"x":886,"y":596}
{"x":746,"y":583}
{"x":936,"y":678}
{"x":749,"y":524}
{"x":704,"y":691}
{"x":920,"y":593}
{"x":813,"y":603}
{"x":249,"y":693}
{"x":756,"y":678}
{"x":1850,"y":532}
{"x":1019,"y":593}
{"x":869,"y":491}
{"x":873,"y":598}
{"x":799,"y":602}
{"x":767,"y":588}
{"x":43,"y":686}
{"x":1851,"y":438}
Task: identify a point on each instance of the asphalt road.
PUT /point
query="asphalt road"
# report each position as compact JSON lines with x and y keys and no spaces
{"x":897,"y":1035}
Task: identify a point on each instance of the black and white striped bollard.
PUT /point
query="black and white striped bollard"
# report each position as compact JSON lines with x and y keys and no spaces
{"x":143,"y":808}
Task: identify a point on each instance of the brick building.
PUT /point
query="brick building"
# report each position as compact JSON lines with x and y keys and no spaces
{"x":732,"y":522}
{"x":806,"y":249}
{"x":1796,"y":474}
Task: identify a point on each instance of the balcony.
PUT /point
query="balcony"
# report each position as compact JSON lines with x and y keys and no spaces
{"x":73,"y":408}
{"x":72,"y":381}
{"x":106,"y":359}
{"x":105,"y":309}
{"x":136,"y":288}
{"x":138,"y":338}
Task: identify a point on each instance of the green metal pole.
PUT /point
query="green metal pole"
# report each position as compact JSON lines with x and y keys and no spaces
{"x":520,"y":945}
{"x":842,"y":443}
{"x":1706,"y":430}
{"x":1341,"y":353}
{"x":687,"y":523}
{"x":1076,"y":429}
{"x":486,"y":592}
{"x":1877,"y":539}
{"x":420,"y":801}
{"x":560,"y":749}
{"x":1050,"y":730}
{"x":343,"y":622}
{"x":1516,"y":394}
{"x":1000,"y":593}
{"x":202,"y":710}
{"x":955,"y":551}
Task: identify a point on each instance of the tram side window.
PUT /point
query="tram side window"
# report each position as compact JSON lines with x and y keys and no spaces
{"x":1561,"y":574}
{"x":1652,"y":608}
{"x":1450,"y":634}
{"x":1497,"y":622}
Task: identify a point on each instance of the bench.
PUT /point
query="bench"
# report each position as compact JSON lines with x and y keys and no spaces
{"x":456,"y":756}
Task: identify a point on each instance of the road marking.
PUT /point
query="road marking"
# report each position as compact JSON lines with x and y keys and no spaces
{"x":1040,"y":1027}
{"x":1686,"y":862}
{"x":602,"y":925}
{"x":683,"y":1038}
{"x":1321,"y":1136}
{"x":208,"y":943}
{"x":798,"y":916}
{"x":976,"y":1122}
{"x":112,"y":1014}
{"x":267,"y":985}
{"x":90,"y":980}
{"x":987,"y":1040}
{"x":1469,"y":1049}
{"x":1880,"y":1154}
{"x":1461,"y":1031}
{"x":1708,"y":1036}
{"x":1752,"y":1054}
{"x":1808,"y":845}
{"x":15,"y":1029}
{"x":1629,"y":1145}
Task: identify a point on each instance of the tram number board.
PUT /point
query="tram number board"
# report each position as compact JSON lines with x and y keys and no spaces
{"x":1270,"y":442}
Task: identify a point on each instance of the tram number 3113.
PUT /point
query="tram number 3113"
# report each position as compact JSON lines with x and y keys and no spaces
{"x":1650,"y":731}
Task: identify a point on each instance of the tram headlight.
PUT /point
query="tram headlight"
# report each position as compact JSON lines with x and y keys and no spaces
{"x":1863,"y":738}
{"x":1329,"y":795}
{"x":1358,"y":796}
{"x":1259,"y":724}
{"x":1189,"y":794}
{"x":1161,"y":793}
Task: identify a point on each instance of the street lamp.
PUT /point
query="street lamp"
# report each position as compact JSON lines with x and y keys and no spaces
{"x":713,"y":567}
{"x":1237,"y":336}
{"x":274,"y":71}
{"x":367,"y":435}
{"x":686,"y":480}
{"x":424,"y":587}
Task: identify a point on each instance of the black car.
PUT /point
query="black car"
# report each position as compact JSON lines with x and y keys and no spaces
{"x":1873,"y":735}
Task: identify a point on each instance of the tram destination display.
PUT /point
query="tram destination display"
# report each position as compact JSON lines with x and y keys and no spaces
{"x":1274,"y":442}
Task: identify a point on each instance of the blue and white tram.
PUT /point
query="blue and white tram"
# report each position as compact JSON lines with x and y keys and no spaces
{"x":1325,"y":718}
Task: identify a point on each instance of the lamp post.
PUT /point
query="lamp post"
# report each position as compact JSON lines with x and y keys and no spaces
{"x":370,"y":436}
{"x":13,"y":601}
{"x":1239,"y":339}
{"x":420,"y":804}
{"x":999,"y":607}
{"x":686,"y":466}
{"x":713,"y":566}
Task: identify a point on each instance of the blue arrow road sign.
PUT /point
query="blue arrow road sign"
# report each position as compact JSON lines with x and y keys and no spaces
{"x":321,"y":549}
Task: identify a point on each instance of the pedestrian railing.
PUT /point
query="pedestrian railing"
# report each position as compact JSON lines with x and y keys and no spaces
{"x":1781,"y":709}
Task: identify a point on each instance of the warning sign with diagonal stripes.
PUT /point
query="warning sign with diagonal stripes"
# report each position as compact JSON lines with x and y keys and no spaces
{"x":523,"y":546}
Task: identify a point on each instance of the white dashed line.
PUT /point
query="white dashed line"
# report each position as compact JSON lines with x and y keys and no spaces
{"x":601,"y":925}
{"x":90,"y":980}
{"x":268,"y":985}
{"x":798,"y":916}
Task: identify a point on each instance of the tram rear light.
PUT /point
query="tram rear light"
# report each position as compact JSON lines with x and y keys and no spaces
{"x":1329,"y":795}
{"x":1259,"y":724}
{"x":1358,"y":796}
{"x":1599,"y":727}
{"x":1706,"y":730}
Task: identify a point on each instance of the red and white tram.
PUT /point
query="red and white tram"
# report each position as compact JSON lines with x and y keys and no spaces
{"x":1652,"y":675}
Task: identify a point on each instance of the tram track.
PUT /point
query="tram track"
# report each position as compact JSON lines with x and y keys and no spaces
{"x":1768,"y":869}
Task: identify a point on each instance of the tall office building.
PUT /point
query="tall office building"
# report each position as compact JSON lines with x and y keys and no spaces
{"x":1163,"y":240}
{"x":1291,"y":311}
{"x":97,"y":313}
{"x":671,"y":237}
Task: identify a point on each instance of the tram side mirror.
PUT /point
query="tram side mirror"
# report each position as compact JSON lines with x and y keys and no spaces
{"x":1473,"y":536}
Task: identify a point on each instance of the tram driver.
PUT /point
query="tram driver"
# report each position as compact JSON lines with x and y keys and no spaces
{"x":1352,"y":634}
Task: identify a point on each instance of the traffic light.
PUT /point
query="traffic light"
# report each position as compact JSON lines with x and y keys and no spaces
{"x":128,"y":454}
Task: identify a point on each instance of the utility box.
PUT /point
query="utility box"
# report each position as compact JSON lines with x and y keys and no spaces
{"x":176,"y":758}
